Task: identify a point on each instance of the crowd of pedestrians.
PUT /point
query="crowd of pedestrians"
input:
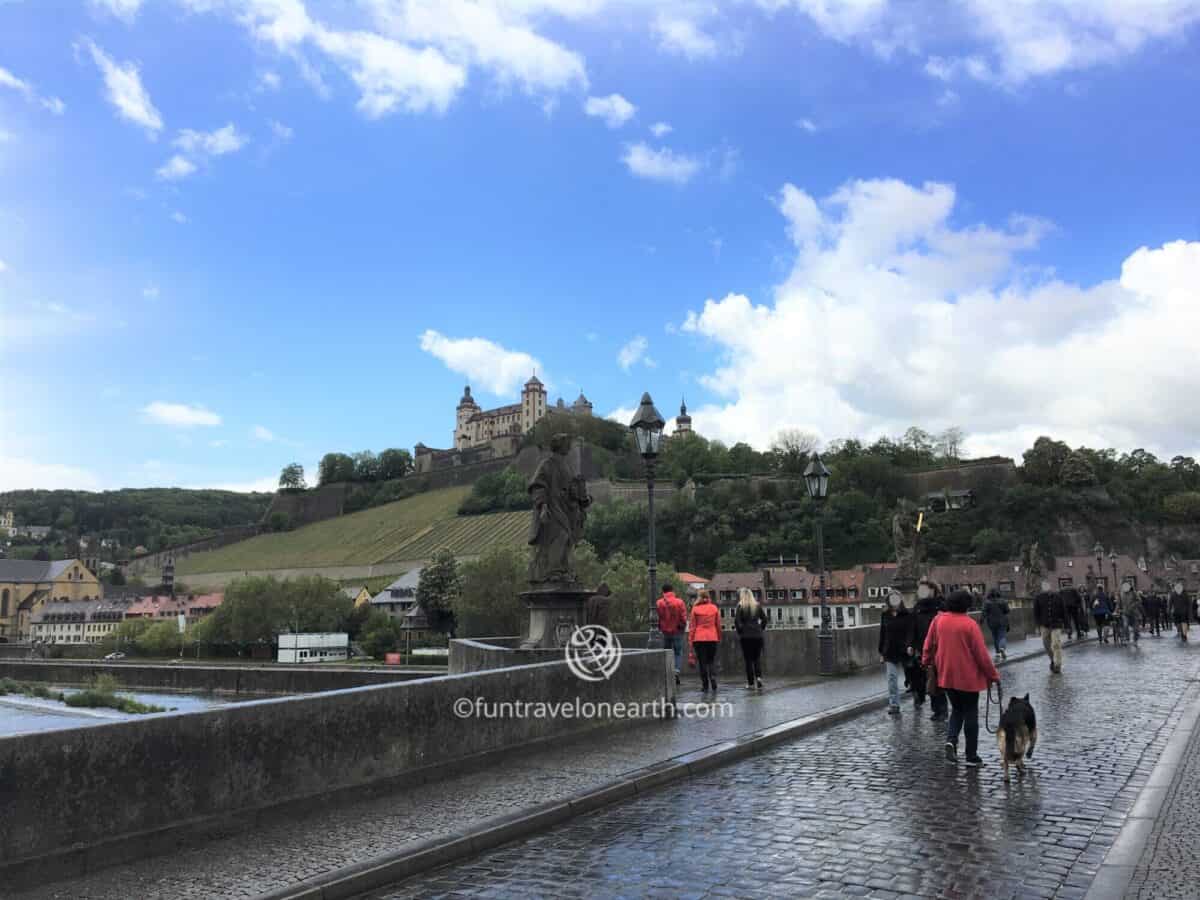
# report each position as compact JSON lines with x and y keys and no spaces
{"x":935,"y":650}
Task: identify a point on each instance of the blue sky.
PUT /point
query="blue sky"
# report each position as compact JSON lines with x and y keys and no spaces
{"x":237,"y":233}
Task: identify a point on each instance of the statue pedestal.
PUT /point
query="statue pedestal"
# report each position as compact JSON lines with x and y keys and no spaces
{"x":555,"y":611}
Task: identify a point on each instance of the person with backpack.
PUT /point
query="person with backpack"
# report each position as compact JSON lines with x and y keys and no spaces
{"x":705,"y":632}
{"x":750,"y":621}
{"x":672,"y":622}
{"x":896,"y":638}
{"x":955,"y":647}
{"x":995,"y":615}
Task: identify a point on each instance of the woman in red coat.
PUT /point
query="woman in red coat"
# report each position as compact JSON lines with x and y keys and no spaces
{"x":704,"y":629}
{"x":964,"y":669}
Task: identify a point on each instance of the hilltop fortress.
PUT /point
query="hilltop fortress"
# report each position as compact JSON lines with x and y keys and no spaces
{"x":481,"y":434}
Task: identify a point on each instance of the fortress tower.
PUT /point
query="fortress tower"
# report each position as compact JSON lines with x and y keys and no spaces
{"x":533,"y":404}
{"x":466,"y":409}
{"x":683,"y":422}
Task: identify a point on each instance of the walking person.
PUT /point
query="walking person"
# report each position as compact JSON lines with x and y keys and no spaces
{"x":1131,"y":612}
{"x":1181,"y":610}
{"x":896,"y":639}
{"x":705,"y":631}
{"x":1153,"y":608}
{"x":1101,"y":612}
{"x":1050,"y":616}
{"x":929,"y":604}
{"x":1072,"y":604}
{"x":750,"y":621}
{"x":955,"y":647}
{"x":995,"y":614}
{"x":672,"y":622}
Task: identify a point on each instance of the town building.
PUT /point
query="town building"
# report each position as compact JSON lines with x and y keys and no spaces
{"x":26,"y":585}
{"x":791,"y":594}
{"x":399,"y":597}
{"x":81,"y":622}
{"x":358,"y":594}
{"x":683,"y":422}
{"x":193,"y":607}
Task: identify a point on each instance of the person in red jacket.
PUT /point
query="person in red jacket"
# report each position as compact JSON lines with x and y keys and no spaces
{"x":672,"y":622}
{"x":705,"y":631}
{"x":964,"y":669}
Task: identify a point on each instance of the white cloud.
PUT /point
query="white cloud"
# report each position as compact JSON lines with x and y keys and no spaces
{"x":175,"y":168}
{"x":179,"y":218}
{"x":23,"y":87}
{"x":5,"y":136}
{"x":681,"y":35}
{"x":623,"y":414}
{"x":661,"y":129}
{"x":125,"y":10}
{"x":660,"y":165}
{"x":226,"y":139}
{"x":3,"y":266}
{"x":260,"y":433}
{"x":485,"y":364}
{"x":906,"y":317}
{"x":24,"y":474}
{"x":178,"y":415}
{"x":1011,"y":42}
{"x":126,"y":93}
{"x":150,"y":292}
{"x":614,"y":109}
{"x":634,"y":352}
{"x":269,"y":81}
{"x":807,"y":125}
{"x":217,"y":444}
{"x":280,"y":131}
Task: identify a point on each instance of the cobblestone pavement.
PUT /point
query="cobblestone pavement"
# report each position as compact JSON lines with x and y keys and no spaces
{"x":289,"y":849}
{"x":1170,"y":866}
{"x":870,"y":808}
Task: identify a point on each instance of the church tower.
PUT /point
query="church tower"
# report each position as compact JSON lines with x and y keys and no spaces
{"x":533,"y":404}
{"x":467,"y":407}
{"x":683,"y":422}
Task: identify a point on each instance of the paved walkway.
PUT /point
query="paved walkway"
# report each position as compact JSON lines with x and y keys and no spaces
{"x":1170,"y":866}
{"x":870,"y":808}
{"x":291,"y":849}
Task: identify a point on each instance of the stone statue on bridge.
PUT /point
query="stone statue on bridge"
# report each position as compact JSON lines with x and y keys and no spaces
{"x":560,"y":502}
{"x":907,"y":540}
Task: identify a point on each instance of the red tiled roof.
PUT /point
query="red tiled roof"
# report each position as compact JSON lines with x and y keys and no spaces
{"x":689,"y":578}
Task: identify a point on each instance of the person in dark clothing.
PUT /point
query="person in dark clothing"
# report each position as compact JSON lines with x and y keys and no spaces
{"x":1181,"y":610}
{"x":597,"y":606}
{"x":929,"y":604}
{"x":896,"y":639}
{"x":1072,"y":604}
{"x":1154,"y":610}
{"x":750,"y":620}
{"x":1049,"y":614}
{"x":1081,"y":615}
{"x":995,"y":616}
{"x":1101,"y":612}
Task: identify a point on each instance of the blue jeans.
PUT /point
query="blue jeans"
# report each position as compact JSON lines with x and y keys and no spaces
{"x":674,"y":642}
{"x":964,"y":716}
{"x":999,"y":637}
{"x":895,"y":674}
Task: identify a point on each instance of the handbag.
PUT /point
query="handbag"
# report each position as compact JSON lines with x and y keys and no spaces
{"x":931,"y":682}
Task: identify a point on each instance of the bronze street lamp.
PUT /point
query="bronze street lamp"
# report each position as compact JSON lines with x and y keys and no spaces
{"x":1099,"y":551}
{"x":816,"y":479}
{"x":647,"y":427}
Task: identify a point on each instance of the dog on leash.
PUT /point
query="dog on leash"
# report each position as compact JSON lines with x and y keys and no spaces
{"x":1017,"y":734}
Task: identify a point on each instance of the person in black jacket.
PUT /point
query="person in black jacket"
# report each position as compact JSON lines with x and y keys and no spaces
{"x":1072,"y":607}
{"x":750,"y":620}
{"x":995,"y":616}
{"x":929,"y":604}
{"x":1049,"y":614}
{"x":1181,"y":610}
{"x":1154,"y":609}
{"x":896,"y":639}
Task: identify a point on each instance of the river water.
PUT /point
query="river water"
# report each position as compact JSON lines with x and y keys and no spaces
{"x":20,"y":714}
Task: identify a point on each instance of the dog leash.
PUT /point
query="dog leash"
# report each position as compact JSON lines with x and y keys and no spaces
{"x":987,"y":710}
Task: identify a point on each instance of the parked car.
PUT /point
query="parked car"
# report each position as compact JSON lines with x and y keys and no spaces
{"x":117,"y":655}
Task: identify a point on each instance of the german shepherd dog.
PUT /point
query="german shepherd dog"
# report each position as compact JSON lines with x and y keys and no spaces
{"x":1017,"y":734}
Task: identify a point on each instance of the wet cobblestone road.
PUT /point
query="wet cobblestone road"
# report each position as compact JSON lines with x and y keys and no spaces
{"x":870,"y":808}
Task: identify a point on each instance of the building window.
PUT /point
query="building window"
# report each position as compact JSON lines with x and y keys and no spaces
{"x":850,"y":615}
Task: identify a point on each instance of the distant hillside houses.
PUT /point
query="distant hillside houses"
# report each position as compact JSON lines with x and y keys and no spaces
{"x":9,"y":528}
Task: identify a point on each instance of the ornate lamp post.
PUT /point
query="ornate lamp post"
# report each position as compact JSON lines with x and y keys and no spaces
{"x":1112,"y":558}
{"x":647,"y":427}
{"x":1099,"y":551}
{"x":816,"y":479}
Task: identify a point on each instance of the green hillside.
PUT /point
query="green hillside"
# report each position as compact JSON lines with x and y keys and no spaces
{"x":407,"y":529}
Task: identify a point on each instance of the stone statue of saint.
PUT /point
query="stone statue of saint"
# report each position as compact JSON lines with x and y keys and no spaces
{"x":560,"y":502}
{"x":908,"y":542}
{"x":1032,"y":562}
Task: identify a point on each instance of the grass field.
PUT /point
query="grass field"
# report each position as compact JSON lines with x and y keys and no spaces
{"x":407,"y":529}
